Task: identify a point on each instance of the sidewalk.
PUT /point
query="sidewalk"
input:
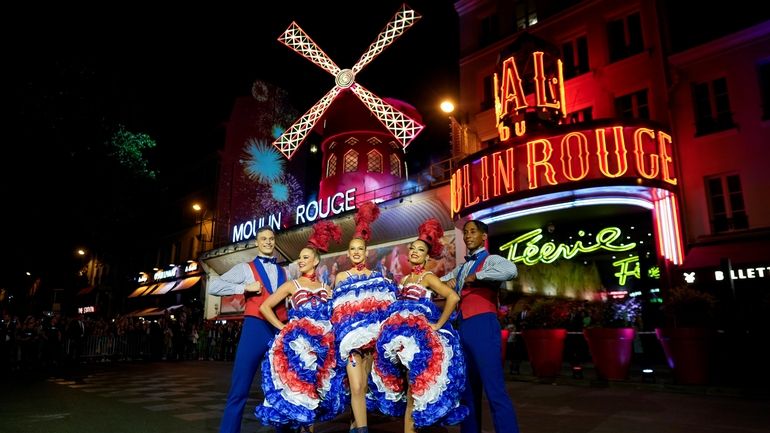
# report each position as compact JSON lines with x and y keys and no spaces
{"x":659,"y":380}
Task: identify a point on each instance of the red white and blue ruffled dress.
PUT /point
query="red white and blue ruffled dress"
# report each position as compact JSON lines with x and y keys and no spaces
{"x":359,"y":305}
{"x":409,"y":351}
{"x":299,"y":374}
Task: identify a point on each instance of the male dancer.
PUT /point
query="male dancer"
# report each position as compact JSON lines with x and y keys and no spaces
{"x":256,"y":280}
{"x":478,"y":281}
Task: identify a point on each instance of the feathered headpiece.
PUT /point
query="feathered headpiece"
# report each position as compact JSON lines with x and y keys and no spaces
{"x":367,"y":213}
{"x":431,"y":233}
{"x":323,"y":233}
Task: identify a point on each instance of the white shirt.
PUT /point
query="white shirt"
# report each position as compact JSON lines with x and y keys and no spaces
{"x":234,"y":281}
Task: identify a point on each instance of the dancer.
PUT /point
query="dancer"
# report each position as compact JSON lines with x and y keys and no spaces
{"x":255,"y":280}
{"x":360,"y":300}
{"x":478,"y":281}
{"x":417,"y":340}
{"x":299,"y":373}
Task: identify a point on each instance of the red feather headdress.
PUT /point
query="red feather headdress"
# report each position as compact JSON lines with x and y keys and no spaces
{"x":431,"y":233}
{"x":366,"y":214}
{"x":323,"y":233}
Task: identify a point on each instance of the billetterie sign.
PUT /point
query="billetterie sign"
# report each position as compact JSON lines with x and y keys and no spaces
{"x":304,"y":213}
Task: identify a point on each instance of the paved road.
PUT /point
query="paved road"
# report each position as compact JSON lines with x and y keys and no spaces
{"x":188,"y":397}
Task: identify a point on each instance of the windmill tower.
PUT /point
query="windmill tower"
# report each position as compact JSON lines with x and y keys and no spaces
{"x":364,"y":136}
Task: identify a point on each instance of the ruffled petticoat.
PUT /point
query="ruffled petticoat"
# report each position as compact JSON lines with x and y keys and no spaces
{"x":432,"y":363}
{"x":359,"y":305}
{"x":300,"y":379}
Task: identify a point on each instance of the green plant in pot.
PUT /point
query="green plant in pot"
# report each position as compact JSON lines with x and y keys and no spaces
{"x":544,"y":331}
{"x":547,"y":313}
{"x":688,"y":334}
{"x":687,"y":307}
{"x":615,"y":313}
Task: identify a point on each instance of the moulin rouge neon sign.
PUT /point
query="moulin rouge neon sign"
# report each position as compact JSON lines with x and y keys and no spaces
{"x":613,"y":153}
{"x":621,"y":154}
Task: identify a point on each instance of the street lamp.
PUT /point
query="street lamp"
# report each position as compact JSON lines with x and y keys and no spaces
{"x":201,"y":218}
{"x":459,"y":134}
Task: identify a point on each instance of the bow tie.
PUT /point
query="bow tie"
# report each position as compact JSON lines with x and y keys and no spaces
{"x":267,"y":259}
{"x":471,"y":257}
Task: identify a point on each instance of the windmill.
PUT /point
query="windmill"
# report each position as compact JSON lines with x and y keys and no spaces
{"x":403,"y":128}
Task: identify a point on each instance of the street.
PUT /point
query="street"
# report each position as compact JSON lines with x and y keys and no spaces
{"x":188,"y":397}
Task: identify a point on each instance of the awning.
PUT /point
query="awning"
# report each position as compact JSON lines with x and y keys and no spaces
{"x":398,"y":220}
{"x":138,"y":291}
{"x":739,"y":252}
{"x":85,"y":291}
{"x":154,"y":311}
{"x":186,"y":283}
{"x":164,"y":288}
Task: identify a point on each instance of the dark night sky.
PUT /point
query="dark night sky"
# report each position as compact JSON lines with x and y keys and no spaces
{"x":77,"y":74}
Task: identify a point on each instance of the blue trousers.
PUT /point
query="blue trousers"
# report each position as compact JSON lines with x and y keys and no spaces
{"x":480,"y":338}
{"x":252,"y":346}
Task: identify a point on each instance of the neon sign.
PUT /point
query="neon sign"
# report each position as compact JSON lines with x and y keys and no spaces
{"x":629,"y":267}
{"x":744,"y":273}
{"x":304,"y":213}
{"x":549,"y":252}
{"x":511,"y":102}
{"x":616,"y":154}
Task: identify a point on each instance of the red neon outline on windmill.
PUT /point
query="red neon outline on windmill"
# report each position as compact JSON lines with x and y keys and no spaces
{"x":403,"y":128}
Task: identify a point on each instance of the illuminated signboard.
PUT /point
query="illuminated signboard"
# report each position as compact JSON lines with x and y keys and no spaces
{"x":744,"y":273}
{"x":623,"y":155}
{"x":511,"y":103}
{"x":532,"y":252}
{"x":304,"y":213}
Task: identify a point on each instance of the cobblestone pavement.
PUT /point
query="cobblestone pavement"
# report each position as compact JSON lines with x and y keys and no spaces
{"x":188,"y":397}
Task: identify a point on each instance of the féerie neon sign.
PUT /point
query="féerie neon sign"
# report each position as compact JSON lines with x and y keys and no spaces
{"x":532,"y":252}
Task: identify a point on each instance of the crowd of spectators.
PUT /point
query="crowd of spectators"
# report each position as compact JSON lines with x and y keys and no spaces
{"x":50,"y":343}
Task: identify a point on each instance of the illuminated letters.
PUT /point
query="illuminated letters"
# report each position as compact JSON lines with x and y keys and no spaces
{"x":549,"y":252}
{"x":629,"y":267}
{"x":583,"y":156}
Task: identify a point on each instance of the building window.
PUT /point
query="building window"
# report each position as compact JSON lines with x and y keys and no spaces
{"x":712,"y":107}
{"x":526,"y":14}
{"x":726,"y":203}
{"x":351,"y":161}
{"x":488,"y":93}
{"x":624,"y":37}
{"x":580,"y":116}
{"x":574,"y":54}
{"x":331,"y":166}
{"x":764,"y":88}
{"x":489,"y":30}
{"x":374,"y":162}
{"x":633,"y":106}
{"x":395,"y":165}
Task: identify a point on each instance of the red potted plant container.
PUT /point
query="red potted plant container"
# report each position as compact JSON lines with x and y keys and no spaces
{"x":544,"y":331}
{"x":610,"y":338}
{"x":689,"y":333}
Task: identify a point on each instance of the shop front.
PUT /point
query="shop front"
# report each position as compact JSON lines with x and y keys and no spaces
{"x":391,"y":233}
{"x":165,"y":290}
{"x":586,"y":211}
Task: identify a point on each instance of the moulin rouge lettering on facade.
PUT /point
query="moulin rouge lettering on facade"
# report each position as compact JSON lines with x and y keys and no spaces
{"x":304,"y":213}
{"x":616,"y":153}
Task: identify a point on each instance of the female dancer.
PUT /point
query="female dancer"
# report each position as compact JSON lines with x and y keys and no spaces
{"x":299,"y":377}
{"x":361,"y":298}
{"x":417,"y":340}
